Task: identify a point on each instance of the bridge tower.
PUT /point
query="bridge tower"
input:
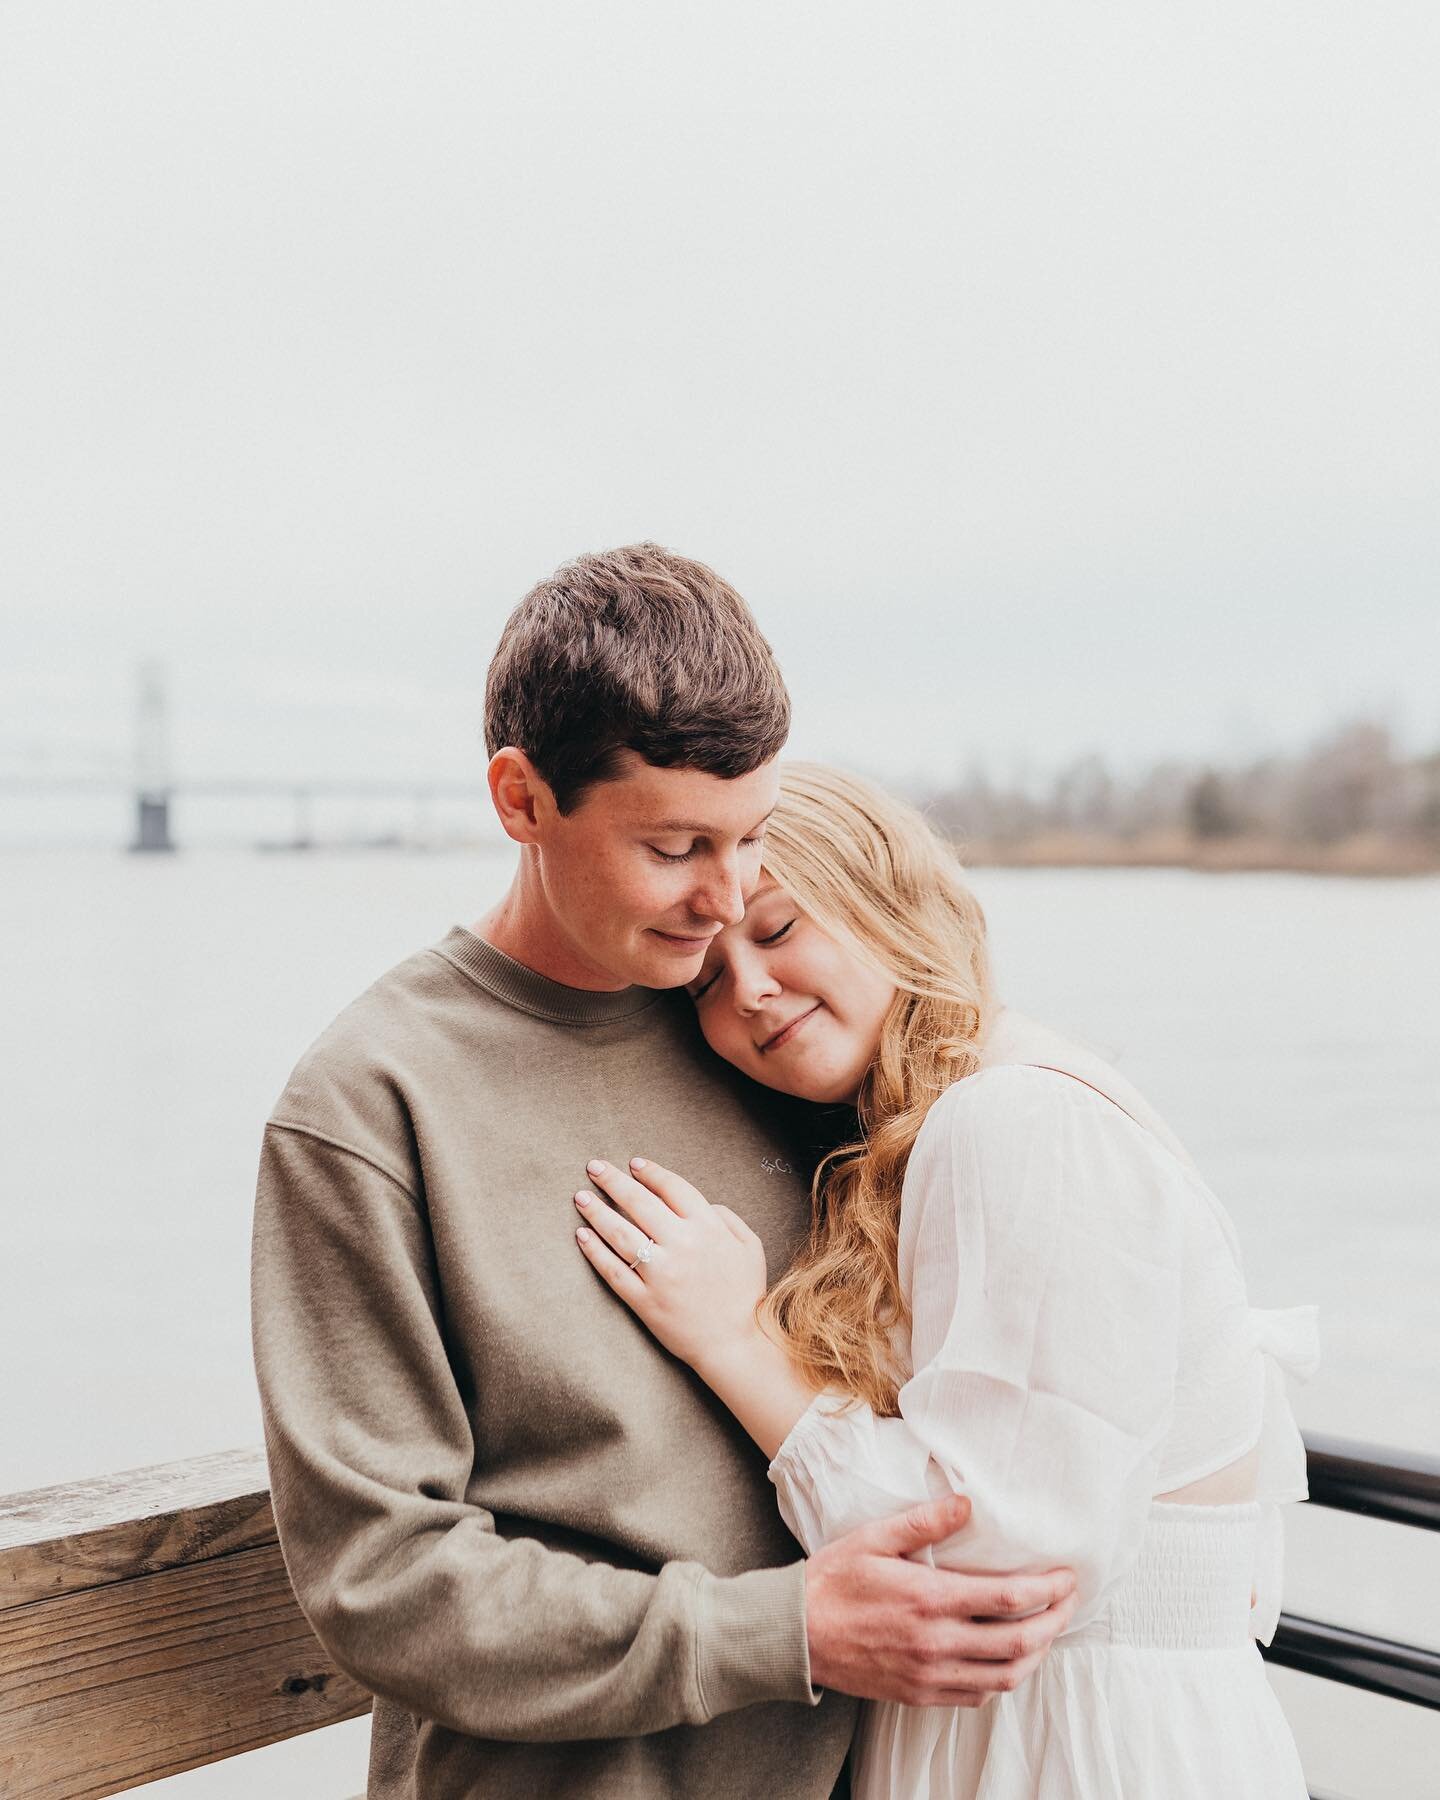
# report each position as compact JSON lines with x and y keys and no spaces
{"x":152,"y":763}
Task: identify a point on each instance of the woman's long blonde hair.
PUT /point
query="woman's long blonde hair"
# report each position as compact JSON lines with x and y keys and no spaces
{"x":869,"y":870}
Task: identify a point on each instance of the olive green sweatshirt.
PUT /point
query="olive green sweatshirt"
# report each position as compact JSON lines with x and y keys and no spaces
{"x":540,"y":1542}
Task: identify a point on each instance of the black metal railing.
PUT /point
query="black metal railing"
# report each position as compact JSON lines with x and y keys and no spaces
{"x":1397,"y":1485}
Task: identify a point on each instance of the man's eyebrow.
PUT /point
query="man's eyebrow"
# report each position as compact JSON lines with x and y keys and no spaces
{"x":697,"y":826}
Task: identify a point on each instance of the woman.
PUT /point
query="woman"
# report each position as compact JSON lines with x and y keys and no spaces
{"x":1017,"y":1286}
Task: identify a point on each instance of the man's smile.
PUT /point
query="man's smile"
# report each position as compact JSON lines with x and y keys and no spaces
{"x":686,"y":942}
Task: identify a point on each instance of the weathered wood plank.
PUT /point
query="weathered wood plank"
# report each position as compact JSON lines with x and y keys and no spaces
{"x":106,"y":1688}
{"x":128,"y":1493}
{"x":65,"y":1539}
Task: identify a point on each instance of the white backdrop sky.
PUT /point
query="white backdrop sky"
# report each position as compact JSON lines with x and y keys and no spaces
{"x":1051,"y":378}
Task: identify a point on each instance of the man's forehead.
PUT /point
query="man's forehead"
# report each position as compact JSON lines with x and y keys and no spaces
{"x":690,"y":800}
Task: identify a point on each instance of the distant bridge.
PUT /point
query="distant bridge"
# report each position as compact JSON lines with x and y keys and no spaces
{"x":154,"y":825}
{"x":154,"y":789}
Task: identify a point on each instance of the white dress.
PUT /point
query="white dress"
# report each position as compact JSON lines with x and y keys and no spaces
{"x":1080,"y":1343}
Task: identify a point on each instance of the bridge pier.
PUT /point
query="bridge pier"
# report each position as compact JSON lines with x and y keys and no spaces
{"x":152,"y":764}
{"x":152,"y":823}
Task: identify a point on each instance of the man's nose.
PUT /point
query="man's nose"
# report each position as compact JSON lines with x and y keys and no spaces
{"x":721,"y":896}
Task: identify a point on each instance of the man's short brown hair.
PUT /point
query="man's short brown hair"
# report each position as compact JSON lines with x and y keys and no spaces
{"x":634,"y":649}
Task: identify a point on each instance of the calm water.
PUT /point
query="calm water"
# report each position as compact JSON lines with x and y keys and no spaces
{"x":152,"y":1008}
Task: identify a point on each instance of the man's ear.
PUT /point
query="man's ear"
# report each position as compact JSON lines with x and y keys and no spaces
{"x":524,"y":801}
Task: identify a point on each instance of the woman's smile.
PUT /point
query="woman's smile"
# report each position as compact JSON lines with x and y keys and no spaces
{"x":786,"y":1033}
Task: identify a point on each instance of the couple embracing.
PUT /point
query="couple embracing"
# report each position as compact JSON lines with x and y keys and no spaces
{"x":710,"y":1346}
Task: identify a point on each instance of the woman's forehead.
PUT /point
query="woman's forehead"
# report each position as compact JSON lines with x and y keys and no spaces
{"x":765,"y":889}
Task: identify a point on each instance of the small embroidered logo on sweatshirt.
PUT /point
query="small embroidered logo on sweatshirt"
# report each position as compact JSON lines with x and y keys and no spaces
{"x":776,"y":1165}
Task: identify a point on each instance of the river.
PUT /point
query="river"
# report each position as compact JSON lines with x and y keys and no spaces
{"x":1288,"y":1026}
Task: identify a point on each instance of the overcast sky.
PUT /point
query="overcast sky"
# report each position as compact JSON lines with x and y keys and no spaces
{"x":1049,"y":378}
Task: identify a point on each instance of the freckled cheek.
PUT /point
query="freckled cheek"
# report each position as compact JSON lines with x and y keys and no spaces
{"x":651,"y":903}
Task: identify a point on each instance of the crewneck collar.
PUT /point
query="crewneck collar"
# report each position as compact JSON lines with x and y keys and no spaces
{"x":533,"y":993}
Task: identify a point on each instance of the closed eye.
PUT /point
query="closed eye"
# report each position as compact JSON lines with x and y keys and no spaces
{"x":775,"y":936}
{"x":683,"y":856}
{"x":700,"y":992}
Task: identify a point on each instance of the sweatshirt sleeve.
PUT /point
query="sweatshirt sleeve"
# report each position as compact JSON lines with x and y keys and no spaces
{"x":1042,"y":1260}
{"x":407,"y":1584}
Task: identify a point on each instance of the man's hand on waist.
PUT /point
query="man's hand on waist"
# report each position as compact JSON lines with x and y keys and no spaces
{"x":886,"y":1628}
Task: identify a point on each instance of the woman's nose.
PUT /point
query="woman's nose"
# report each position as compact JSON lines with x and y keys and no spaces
{"x":754,"y":985}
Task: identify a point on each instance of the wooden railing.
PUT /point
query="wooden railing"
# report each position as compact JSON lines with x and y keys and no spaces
{"x":147,"y":1626}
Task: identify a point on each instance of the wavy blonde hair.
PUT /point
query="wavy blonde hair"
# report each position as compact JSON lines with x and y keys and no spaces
{"x":870,"y":871}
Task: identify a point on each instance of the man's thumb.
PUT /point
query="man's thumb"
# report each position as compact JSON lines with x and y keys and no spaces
{"x":921,"y":1525}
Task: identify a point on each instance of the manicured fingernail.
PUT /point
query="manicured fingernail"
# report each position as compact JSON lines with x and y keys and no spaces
{"x":595,"y":1168}
{"x":584,"y":1199}
{"x":638,"y":1162}
{"x":583,"y":1235}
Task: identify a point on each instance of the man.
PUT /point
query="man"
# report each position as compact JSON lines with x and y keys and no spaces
{"x":555,"y":1561}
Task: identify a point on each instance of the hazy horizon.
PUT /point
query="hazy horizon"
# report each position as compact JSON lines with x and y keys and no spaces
{"x":1050,"y":381}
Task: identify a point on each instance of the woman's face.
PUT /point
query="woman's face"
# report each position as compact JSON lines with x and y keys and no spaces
{"x":788,"y":1004}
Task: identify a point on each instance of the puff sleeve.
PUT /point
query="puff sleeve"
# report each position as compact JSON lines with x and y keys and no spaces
{"x":1041,"y":1249}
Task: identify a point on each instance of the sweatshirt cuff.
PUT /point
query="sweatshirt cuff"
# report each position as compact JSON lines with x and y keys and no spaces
{"x":751,"y":1640}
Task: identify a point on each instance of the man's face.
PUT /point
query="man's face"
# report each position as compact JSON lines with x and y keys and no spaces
{"x":650,"y":865}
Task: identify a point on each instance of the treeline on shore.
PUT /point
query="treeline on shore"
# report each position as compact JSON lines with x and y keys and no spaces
{"x":1348,"y":804}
